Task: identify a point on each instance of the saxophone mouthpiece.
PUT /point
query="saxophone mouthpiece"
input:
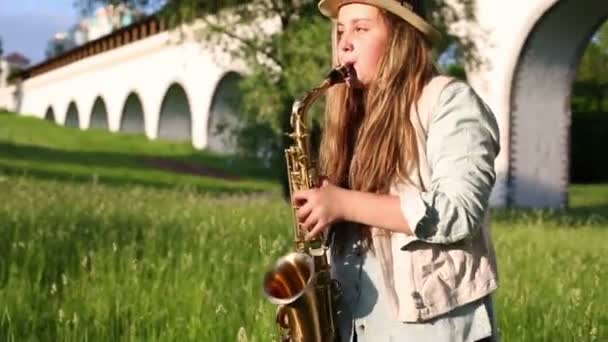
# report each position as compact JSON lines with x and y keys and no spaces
{"x":339,"y":74}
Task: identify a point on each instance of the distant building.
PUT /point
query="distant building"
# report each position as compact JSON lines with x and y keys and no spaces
{"x":60,"y":43}
{"x":105,"y":20}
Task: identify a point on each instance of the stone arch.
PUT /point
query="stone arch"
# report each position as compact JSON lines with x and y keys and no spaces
{"x":99,"y":114}
{"x":132,"y":115}
{"x":223,"y":114}
{"x":175,"y":117}
{"x":49,"y":115}
{"x":72,"y":118}
{"x":540,"y":102}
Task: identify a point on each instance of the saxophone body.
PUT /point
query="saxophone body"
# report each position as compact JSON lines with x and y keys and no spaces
{"x":300,"y":282}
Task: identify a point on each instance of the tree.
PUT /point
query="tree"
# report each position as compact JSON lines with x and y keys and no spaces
{"x":592,"y":77}
{"x":284,"y":62}
{"x":594,"y":63}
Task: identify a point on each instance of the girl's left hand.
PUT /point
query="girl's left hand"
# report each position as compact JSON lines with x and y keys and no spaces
{"x":319,"y":207}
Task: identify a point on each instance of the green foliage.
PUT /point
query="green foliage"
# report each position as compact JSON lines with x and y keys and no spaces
{"x":590,"y":112}
{"x":592,"y":78}
{"x":306,"y":46}
{"x":456,"y":70}
{"x":594,"y":63}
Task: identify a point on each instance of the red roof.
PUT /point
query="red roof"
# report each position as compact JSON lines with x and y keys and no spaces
{"x":16,"y":58}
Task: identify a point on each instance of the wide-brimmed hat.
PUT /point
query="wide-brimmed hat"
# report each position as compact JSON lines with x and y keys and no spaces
{"x":330,"y":8}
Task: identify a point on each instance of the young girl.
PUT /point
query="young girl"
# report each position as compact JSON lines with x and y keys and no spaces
{"x":409,"y":165}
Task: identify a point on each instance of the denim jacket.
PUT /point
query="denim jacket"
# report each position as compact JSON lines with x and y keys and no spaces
{"x":449,"y":260}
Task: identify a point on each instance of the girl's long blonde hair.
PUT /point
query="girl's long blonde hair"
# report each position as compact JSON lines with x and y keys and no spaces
{"x":368,"y":139}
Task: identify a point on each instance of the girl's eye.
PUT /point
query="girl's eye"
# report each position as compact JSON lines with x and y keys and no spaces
{"x":360,"y":29}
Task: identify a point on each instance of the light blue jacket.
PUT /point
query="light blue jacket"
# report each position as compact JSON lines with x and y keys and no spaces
{"x":449,"y":261}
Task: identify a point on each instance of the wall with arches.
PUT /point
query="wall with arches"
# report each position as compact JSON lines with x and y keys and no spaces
{"x":529,"y":51}
{"x":175,"y":88}
{"x":161,"y":86}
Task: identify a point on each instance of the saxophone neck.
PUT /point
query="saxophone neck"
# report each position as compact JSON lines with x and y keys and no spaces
{"x":301,"y":106}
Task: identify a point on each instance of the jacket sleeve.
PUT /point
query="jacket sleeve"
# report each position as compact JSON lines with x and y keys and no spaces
{"x":462,"y":143}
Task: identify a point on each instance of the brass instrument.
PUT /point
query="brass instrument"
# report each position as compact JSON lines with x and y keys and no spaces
{"x":300,"y":282}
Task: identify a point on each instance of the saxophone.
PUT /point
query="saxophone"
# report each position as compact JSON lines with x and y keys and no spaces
{"x":300,"y":282}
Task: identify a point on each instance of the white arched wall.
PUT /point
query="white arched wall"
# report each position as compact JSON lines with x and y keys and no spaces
{"x":541,"y":102}
{"x":223,"y":113}
{"x":147,"y":67}
{"x":98,"y":118}
{"x":72,"y":116}
{"x":175,"y":116}
{"x":504,"y":33}
{"x":133,"y":115}
{"x":202,"y":105}
{"x":49,"y":115}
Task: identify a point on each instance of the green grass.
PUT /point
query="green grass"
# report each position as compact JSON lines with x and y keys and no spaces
{"x":30,"y":146}
{"x":133,"y":261}
{"x":99,"y":263}
{"x":553,"y":269}
{"x":94,"y":262}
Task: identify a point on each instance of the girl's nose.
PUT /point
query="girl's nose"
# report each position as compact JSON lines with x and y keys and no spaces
{"x":345,"y":44}
{"x":345,"y":48}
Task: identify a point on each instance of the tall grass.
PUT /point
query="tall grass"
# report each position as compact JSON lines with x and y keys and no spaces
{"x":90,"y":262}
{"x":100,"y":263}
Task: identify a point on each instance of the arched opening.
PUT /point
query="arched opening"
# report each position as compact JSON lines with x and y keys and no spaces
{"x":99,"y":115}
{"x":223,"y":114}
{"x":132,"y":117}
{"x":175,"y":121}
{"x":71,"y":117}
{"x":49,"y":115}
{"x":541,"y":106}
{"x":590,"y":113}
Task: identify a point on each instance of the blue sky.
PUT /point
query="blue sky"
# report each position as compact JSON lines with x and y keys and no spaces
{"x":27,"y":25}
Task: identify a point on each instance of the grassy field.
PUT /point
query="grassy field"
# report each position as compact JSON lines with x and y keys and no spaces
{"x":30,"y":146}
{"x":140,"y":259}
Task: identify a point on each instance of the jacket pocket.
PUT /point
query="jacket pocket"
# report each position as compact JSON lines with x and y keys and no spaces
{"x":435,"y":274}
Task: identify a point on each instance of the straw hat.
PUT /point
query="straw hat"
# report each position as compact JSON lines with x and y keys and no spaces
{"x":403,"y":9}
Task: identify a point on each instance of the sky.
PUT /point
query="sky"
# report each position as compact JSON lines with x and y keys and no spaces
{"x":27,"y":25}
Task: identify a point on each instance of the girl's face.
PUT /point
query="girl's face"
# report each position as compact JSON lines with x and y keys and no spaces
{"x":362,"y":38}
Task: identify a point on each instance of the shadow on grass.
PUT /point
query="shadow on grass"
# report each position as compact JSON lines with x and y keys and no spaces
{"x":211,"y":187}
{"x":202,"y":172}
{"x":231,"y":168}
